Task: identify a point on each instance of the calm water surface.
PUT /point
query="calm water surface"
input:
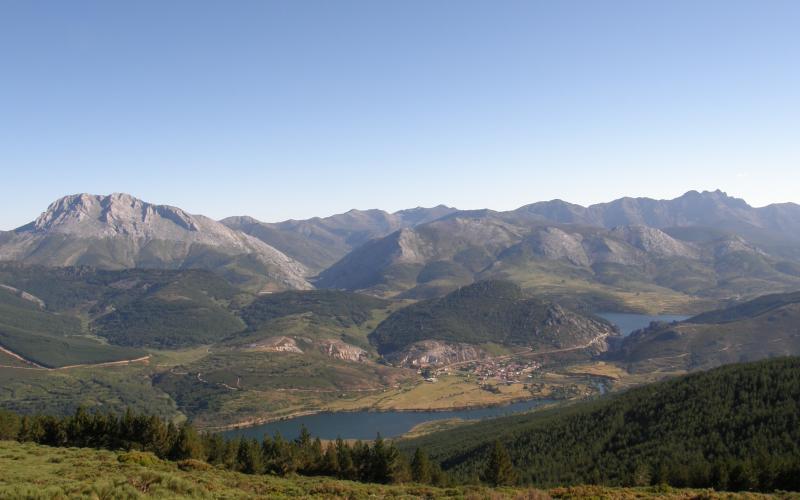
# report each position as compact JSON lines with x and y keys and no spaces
{"x":629,"y":323}
{"x":366,"y":424}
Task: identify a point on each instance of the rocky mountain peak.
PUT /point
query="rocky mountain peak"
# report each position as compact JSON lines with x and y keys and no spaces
{"x":120,"y":231}
{"x":114,"y":214}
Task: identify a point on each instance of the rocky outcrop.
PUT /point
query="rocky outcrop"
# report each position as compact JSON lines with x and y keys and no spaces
{"x":654,"y":242}
{"x":339,"y":349}
{"x":275,"y":344}
{"x":554,"y":243}
{"x":433,"y":353}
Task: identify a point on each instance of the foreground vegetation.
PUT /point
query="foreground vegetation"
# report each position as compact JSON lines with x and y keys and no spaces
{"x":33,"y":472}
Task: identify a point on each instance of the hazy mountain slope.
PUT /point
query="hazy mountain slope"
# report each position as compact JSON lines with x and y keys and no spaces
{"x":409,"y":257}
{"x":320,"y":242}
{"x":486,"y":312}
{"x":119,"y":231}
{"x":731,"y":428}
{"x":707,"y":209}
{"x":625,"y":267}
{"x":762,"y":328}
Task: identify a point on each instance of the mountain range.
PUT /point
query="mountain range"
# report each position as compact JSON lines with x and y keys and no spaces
{"x":687,"y":254}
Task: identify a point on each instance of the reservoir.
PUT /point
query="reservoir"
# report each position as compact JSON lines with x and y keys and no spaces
{"x":367,"y":424}
{"x":629,"y":323}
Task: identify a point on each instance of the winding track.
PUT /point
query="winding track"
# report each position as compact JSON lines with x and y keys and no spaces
{"x":37,"y":366}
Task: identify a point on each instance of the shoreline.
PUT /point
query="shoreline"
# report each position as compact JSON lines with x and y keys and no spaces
{"x":245,"y":424}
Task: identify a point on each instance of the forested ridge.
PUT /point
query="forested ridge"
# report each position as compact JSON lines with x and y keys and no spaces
{"x":732,"y":428}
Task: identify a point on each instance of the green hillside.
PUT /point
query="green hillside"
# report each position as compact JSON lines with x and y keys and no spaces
{"x":139,"y":308}
{"x":341,"y":308}
{"x":735,"y":427}
{"x":488,"y":311}
{"x":49,"y":339}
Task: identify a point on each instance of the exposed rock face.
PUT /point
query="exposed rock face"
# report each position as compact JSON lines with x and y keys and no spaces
{"x":338,"y":349}
{"x":435,"y":352}
{"x":334,"y":348}
{"x":119,"y":231}
{"x":654,"y":241}
{"x":735,"y":245}
{"x":275,"y":344}
{"x":554,"y":243}
{"x":584,"y":331}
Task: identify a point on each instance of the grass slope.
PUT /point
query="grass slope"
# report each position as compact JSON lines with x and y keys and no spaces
{"x":34,"y":472}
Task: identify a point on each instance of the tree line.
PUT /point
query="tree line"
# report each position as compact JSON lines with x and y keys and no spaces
{"x":378,"y":461}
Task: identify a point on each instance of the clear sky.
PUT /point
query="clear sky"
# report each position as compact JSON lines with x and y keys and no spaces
{"x":300,"y":108}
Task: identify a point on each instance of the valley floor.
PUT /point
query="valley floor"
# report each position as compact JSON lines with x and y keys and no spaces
{"x":29,"y":471}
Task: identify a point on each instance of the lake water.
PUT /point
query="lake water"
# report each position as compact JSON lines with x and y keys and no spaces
{"x":366,"y":424}
{"x":629,"y":323}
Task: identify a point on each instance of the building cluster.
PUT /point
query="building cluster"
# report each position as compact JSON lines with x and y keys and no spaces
{"x":503,"y":371}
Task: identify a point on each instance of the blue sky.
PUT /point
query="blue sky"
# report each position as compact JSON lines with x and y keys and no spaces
{"x":300,"y":108}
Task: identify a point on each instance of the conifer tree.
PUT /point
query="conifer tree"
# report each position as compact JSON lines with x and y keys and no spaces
{"x":500,"y":471}
{"x":344,"y":455}
{"x":421,"y":467}
{"x":187,"y":444}
{"x":330,"y":461}
{"x":249,"y":458}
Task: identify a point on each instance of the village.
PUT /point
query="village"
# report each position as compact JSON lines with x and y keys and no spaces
{"x":490,"y":370}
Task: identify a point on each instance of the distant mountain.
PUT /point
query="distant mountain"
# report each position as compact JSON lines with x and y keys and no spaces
{"x":319,"y":242}
{"x":455,"y":327}
{"x":771,"y":225}
{"x":761,"y":328}
{"x":682,"y":255}
{"x":636,"y":267}
{"x":437,"y":256}
{"x":119,"y":231}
